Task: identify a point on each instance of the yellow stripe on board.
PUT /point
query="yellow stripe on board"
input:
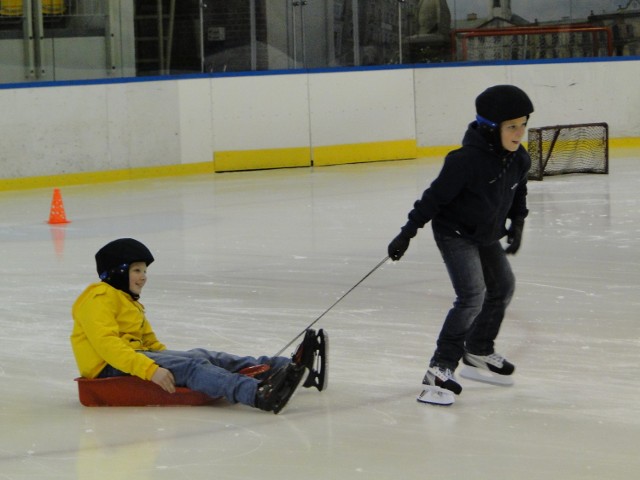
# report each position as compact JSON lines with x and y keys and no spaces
{"x":235,"y":160}
{"x":624,"y":147}
{"x":106,"y":176}
{"x":631,"y":142}
{"x":364,"y":152}
{"x":439,"y":151}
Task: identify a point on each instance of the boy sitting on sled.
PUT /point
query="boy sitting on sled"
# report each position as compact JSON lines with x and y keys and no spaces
{"x":112,"y":337}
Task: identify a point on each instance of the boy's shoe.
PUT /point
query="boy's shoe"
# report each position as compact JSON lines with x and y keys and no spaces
{"x":493,"y":368}
{"x":312,"y":354}
{"x":442,"y":377}
{"x":274,"y":392}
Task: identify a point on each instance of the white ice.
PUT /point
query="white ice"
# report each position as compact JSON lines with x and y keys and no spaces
{"x":244,"y":261}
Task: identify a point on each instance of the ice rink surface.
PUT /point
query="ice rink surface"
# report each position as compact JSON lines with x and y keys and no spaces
{"x":244,"y":261}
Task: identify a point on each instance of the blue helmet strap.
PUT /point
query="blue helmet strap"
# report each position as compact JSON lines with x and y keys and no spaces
{"x":486,"y":121}
{"x":120,"y":269}
{"x":118,"y":277}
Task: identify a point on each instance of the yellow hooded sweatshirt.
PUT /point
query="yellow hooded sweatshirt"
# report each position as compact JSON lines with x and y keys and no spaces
{"x":109,"y":327}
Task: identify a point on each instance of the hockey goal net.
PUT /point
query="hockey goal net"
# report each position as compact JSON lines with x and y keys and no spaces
{"x":526,"y":43}
{"x":560,"y":149}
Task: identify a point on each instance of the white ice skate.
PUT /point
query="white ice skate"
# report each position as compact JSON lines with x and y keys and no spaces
{"x":436,"y":396}
{"x":493,"y":369}
{"x":439,"y":386}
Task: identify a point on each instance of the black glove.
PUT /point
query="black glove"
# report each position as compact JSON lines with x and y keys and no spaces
{"x":398,"y":246}
{"x":514,"y":235}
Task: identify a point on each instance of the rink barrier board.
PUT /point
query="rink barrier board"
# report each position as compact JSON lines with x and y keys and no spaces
{"x":620,"y":147}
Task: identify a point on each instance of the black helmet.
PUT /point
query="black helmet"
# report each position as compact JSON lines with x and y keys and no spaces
{"x":502,"y":102}
{"x":496,"y":105}
{"x":113,"y":261}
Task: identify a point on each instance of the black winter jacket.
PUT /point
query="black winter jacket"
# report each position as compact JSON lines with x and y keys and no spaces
{"x":475,"y":192}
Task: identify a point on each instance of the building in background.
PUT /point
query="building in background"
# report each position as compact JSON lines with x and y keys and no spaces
{"x":505,"y":35}
{"x":625,"y":26}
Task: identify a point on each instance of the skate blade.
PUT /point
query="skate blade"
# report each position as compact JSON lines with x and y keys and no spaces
{"x":485,"y":376}
{"x":436,"y":396}
{"x":319,"y":371}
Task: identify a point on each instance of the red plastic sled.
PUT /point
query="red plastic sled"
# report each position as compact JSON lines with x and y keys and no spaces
{"x":132,"y":391}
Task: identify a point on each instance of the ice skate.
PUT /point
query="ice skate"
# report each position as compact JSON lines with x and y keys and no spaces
{"x":274,"y":392}
{"x":436,"y":396}
{"x":312,"y":354}
{"x":493,"y":369}
{"x":439,"y":386}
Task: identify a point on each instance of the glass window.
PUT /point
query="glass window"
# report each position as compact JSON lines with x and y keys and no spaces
{"x":84,"y":39}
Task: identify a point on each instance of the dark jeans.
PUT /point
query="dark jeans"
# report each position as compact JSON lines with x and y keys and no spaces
{"x":484,"y":284}
{"x":213,"y":373}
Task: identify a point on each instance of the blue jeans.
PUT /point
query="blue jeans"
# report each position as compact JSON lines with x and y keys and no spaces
{"x":213,"y":373}
{"x":484,"y":285}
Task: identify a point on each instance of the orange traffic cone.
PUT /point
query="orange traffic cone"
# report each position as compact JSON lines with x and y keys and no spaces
{"x":57,"y":215}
